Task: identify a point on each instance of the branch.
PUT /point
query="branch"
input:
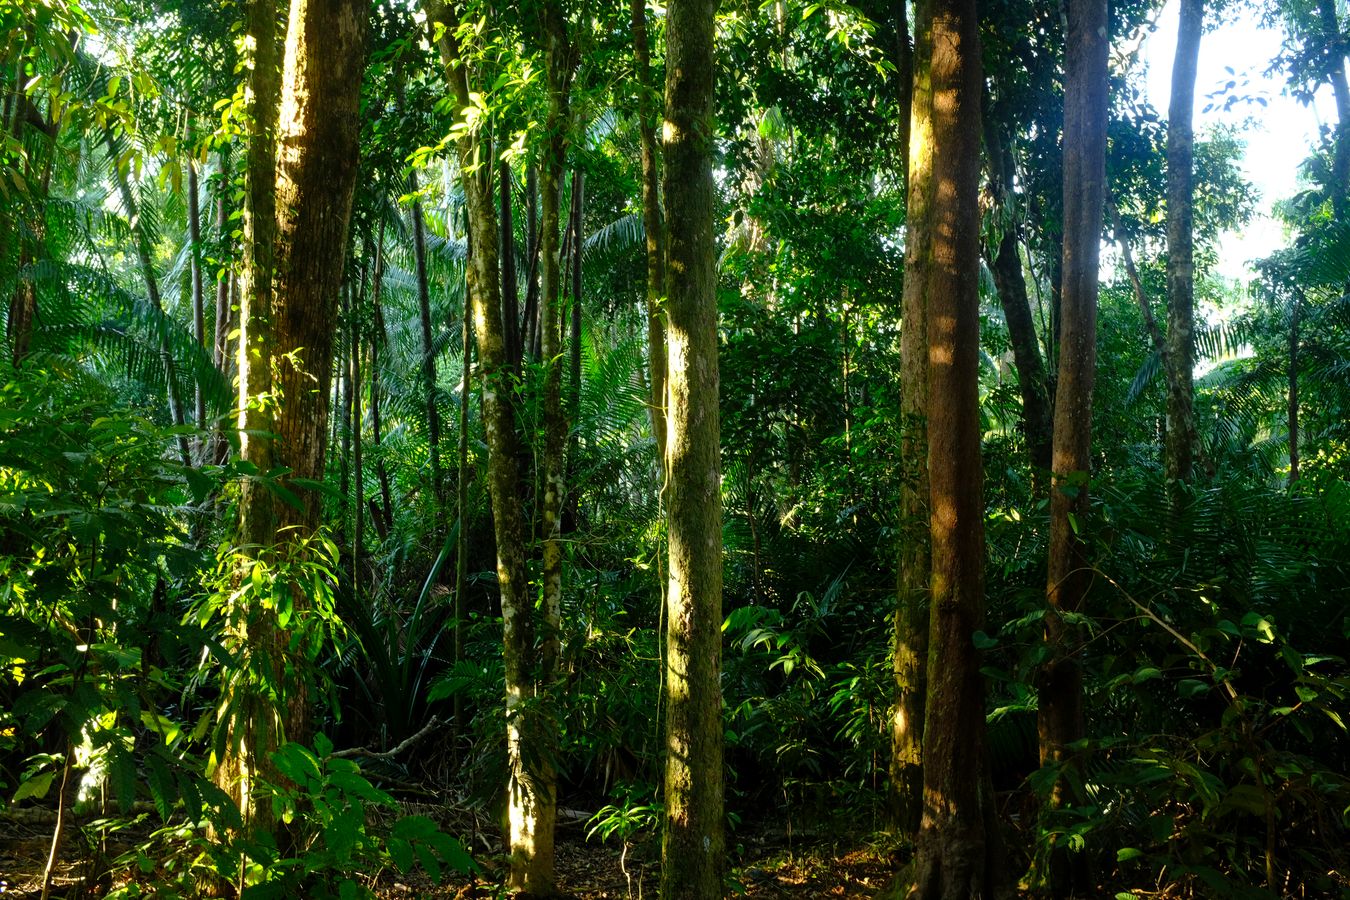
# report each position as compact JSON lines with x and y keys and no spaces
{"x":367,"y":753}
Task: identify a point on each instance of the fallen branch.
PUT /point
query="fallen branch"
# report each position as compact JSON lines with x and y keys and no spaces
{"x":367,"y":753}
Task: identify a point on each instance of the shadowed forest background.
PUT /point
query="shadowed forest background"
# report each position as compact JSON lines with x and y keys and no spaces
{"x":560,"y":448}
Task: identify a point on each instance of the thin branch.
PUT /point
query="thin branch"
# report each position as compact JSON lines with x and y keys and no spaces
{"x":367,"y":753}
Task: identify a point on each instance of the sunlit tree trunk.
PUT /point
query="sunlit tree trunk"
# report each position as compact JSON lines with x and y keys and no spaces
{"x":958,"y":844}
{"x":693,"y":842}
{"x":653,"y":227}
{"x":198,"y":293}
{"x":529,"y":842}
{"x":1295,"y":311}
{"x":252,"y":730}
{"x":1179,"y":452}
{"x":1061,"y":720}
{"x":910,"y":648}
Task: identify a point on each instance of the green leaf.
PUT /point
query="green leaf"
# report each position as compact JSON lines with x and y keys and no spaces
{"x":983,"y":641}
{"x":401,"y":852}
{"x":35,"y":787}
{"x":1191,"y":687}
{"x":1125,"y":854}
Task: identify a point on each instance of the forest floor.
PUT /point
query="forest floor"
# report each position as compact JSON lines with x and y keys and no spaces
{"x":771,"y":864}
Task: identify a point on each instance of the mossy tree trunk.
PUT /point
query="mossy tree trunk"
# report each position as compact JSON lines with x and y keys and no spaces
{"x":692,"y":846}
{"x":1179,"y":450}
{"x":529,"y":832}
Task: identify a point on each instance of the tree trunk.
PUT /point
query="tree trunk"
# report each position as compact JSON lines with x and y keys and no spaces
{"x":510,"y":294}
{"x":428,"y":347}
{"x":376,"y":340}
{"x":358,"y":462}
{"x":142,"y":243}
{"x":1179,"y":452}
{"x":198,"y":295}
{"x":654,"y":229}
{"x":1295,"y":303}
{"x":530,"y":841}
{"x":252,"y":730}
{"x":1340,"y":88}
{"x":316,"y":172}
{"x":910,"y":649}
{"x":693,"y":842}
{"x":462,"y":496}
{"x":1005,"y":261}
{"x":1060,"y":717}
{"x":957,"y":850}
{"x":221,"y":332}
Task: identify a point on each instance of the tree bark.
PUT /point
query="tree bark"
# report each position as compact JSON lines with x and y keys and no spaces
{"x":530,"y":843}
{"x":377,"y":338}
{"x":958,"y":853}
{"x":1179,"y":452}
{"x":654,"y":230}
{"x":692,"y":848}
{"x":1060,"y":718}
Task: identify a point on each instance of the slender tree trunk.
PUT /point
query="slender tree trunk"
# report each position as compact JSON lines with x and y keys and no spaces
{"x":428,"y":348}
{"x":1005,"y":261}
{"x":462,"y":495}
{"x":221,"y":330}
{"x":510,"y":294}
{"x":654,"y":229}
{"x":1340,"y":88}
{"x":376,"y":340}
{"x":578,"y":251}
{"x":530,"y":316}
{"x":910,"y":649}
{"x":1060,"y":719}
{"x":358,"y":463}
{"x":142,"y":243}
{"x":1295,"y":304}
{"x":253,"y":730}
{"x":198,"y":294}
{"x":958,"y":852}
{"x":1179,"y":452}
{"x":693,"y":842}
{"x":344,"y":426}
{"x":530,"y":843}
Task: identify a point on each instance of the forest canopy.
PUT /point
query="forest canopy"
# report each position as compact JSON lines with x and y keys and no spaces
{"x":555,"y":448}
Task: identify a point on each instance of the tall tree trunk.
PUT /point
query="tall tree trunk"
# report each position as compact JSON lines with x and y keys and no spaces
{"x":510,"y":289}
{"x":253,"y":731}
{"x":958,"y":847}
{"x":693,"y":842}
{"x":142,"y":243}
{"x":910,"y":648}
{"x":428,"y":348}
{"x":1179,"y":452}
{"x":1295,"y":304}
{"x":654,"y":229}
{"x":574,"y":340}
{"x":1005,"y":261}
{"x":462,"y":495}
{"x":377,"y":339}
{"x":1340,"y":88}
{"x":1060,"y":718}
{"x":343,"y":426}
{"x":529,"y":325}
{"x":358,"y":462}
{"x":221,"y":332}
{"x":198,"y":294}
{"x":317,"y":133}
{"x":530,"y":845}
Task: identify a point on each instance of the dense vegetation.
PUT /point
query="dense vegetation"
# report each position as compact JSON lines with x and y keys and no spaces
{"x":515,"y":407}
